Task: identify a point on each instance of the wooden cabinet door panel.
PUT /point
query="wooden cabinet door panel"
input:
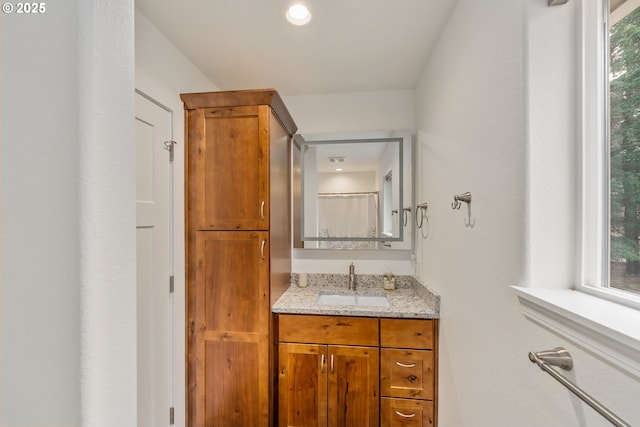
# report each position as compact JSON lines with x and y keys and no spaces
{"x":303,"y":385}
{"x":229,"y":377}
{"x":407,"y":373}
{"x":232,"y":384}
{"x":405,"y":413}
{"x":232,"y":169}
{"x":232,"y":279}
{"x":353,"y":386}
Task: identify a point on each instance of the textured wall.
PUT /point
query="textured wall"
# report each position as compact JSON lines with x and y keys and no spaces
{"x":495,"y":117}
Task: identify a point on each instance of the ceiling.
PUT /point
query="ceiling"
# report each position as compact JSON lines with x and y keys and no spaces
{"x":358,"y":157}
{"x":349,"y":45}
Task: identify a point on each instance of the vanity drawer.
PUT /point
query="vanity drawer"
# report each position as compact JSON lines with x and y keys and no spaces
{"x":337,"y":330}
{"x":407,"y":373}
{"x":406,"y":333}
{"x":405,"y":413}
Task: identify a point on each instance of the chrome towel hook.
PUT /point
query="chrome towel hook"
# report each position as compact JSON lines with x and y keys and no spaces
{"x":406,"y":215}
{"x":458,"y":199}
{"x":421,"y":215}
{"x":422,"y":210}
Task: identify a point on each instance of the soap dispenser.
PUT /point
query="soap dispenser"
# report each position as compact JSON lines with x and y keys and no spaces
{"x":389,"y":281}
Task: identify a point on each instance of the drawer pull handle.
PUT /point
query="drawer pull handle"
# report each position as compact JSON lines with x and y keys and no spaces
{"x":264,"y":242}
{"x":262,"y":210}
{"x":402,"y":365}
{"x":332,"y":363}
{"x":322,"y":361}
{"x":405,"y":415}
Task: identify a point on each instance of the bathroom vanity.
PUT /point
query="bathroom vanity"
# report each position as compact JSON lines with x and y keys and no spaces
{"x":344,"y":362}
{"x":262,"y":352}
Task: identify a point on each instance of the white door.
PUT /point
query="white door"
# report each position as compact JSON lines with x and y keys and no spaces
{"x":154,"y":263}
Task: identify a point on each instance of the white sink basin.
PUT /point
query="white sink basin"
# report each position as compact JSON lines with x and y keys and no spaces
{"x":337,"y":299}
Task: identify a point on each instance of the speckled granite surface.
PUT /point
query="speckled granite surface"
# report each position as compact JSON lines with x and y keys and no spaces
{"x":410,"y":299}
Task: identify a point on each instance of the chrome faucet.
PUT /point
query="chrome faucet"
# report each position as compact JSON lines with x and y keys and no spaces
{"x":352,"y":277}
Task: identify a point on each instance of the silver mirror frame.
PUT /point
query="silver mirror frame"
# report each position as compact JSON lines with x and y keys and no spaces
{"x":401,"y":140}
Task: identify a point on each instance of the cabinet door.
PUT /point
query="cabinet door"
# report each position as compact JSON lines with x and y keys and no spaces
{"x":353,"y":386}
{"x":229,"y":376}
{"x":230,"y":148}
{"x":302,"y":391}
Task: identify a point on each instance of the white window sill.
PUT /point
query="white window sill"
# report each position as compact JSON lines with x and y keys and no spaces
{"x":607,"y":329}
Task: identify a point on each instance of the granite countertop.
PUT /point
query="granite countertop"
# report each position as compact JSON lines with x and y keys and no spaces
{"x":410,"y":299}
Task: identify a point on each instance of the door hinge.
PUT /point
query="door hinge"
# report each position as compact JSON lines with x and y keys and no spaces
{"x":168,"y":145}
{"x":171,"y":284}
{"x":171,"y":416}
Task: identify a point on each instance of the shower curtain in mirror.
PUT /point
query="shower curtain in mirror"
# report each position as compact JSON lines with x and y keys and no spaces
{"x":348,"y":215}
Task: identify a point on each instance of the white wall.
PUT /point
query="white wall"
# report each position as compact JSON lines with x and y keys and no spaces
{"x":39,"y":259}
{"x":68,"y":216}
{"x":347,"y":182}
{"x":352,"y":112}
{"x":163,"y":73}
{"x":484,"y":113}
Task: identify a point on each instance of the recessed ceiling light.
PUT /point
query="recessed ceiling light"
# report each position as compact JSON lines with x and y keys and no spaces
{"x":298,"y":14}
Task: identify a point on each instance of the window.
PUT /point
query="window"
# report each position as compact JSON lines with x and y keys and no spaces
{"x":598,"y":313}
{"x":611,"y":153}
{"x":624,"y":145}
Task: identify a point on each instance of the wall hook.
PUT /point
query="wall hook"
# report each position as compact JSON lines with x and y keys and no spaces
{"x":421,"y":215}
{"x":458,"y":199}
{"x":470,"y":222}
{"x":406,"y":215}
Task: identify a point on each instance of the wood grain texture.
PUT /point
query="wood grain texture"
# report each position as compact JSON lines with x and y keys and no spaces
{"x":280,"y":208}
{"x":302,"y":385}
{"x":231,"y":170}
{"x":353,"y":387}
{"x":328,"y":329}
{"x":407,"y":373}
{"x":407,"y":333}
{"x":406,"y":413}
{"x":267,"y":96}
{"x":236,"y":146}
{"x":358,"y":375}
{"x":232,"y":374}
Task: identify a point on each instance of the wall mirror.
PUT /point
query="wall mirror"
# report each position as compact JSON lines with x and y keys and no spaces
{"x":356,"y":190}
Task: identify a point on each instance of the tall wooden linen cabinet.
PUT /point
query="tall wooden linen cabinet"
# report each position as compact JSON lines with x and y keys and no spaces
{"x":238,"y":249}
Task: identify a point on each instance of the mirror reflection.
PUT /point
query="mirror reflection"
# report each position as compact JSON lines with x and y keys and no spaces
{"x":354,"y":191}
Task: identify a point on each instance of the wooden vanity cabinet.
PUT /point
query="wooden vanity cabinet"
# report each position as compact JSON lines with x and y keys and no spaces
{"x":312,"y":394}
{"x":408,"y":372}
{"x":323,"y":381}
{"x":238,"y":254}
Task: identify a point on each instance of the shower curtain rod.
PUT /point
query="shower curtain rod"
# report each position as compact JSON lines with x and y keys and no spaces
{"x":360,"y":193}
